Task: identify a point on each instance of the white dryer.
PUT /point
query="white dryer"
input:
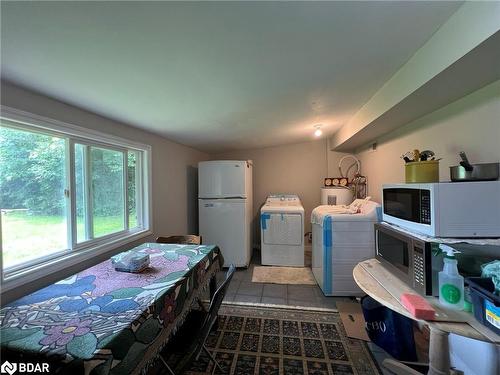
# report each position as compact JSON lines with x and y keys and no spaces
{"x":282,"y":231}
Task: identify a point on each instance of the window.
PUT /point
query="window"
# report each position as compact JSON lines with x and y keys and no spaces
{"x":64,"y":193}
{"x":100,"y":191}
{"x":32,"y":201}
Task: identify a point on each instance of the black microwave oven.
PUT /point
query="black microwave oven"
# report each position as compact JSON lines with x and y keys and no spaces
{"x":409,"y":258}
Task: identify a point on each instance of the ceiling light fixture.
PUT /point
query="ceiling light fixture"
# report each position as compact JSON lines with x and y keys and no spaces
{"x":318,"y":131}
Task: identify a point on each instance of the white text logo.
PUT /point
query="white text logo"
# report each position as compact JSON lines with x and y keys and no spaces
{"x":11,"y":368}
{"x":8,"y":368}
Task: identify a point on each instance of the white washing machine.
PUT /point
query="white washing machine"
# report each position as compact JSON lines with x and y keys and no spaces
{"x":339,"y":242}
{"x":282,"y":231}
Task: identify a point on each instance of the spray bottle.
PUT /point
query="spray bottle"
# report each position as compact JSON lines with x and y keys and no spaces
{"x":451,"y":284}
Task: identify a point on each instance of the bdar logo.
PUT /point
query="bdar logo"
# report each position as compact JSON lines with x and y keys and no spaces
{"x":8,"y":368}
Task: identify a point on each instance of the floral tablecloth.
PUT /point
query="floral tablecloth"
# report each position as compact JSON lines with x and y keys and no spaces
{"x":101,"y":321}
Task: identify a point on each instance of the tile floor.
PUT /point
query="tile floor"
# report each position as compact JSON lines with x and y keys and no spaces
{"x":242,"y":289}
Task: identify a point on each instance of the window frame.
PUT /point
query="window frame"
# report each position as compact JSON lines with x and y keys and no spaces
{"x":89,"y":192}
{"x":17,"y":275}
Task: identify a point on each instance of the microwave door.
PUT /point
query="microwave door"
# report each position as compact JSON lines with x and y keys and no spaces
{"x":402,"y":203}
{"x":393,"y":251}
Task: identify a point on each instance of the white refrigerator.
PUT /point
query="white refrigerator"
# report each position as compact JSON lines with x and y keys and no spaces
{"x":225,"y":208}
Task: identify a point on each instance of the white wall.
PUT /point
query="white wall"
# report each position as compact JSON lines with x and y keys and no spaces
{"x":296,"y":168}
{"x":471,"y":124}
{"x":174,"y":166}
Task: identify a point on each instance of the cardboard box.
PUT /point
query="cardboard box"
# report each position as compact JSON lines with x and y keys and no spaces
{"x":353,"y":320}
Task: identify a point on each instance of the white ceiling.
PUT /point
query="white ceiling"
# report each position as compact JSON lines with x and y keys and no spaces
{"x":215,"y":75}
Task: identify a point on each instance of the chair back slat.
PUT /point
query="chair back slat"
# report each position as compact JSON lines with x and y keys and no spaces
{"x":188,"y":239}
{"x":215,"y":303}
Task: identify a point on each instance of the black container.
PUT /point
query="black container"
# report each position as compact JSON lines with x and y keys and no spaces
{"x":390,"y":330}
{"x":486,"y":305}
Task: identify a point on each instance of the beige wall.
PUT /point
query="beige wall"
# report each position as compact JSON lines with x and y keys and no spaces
{"x":471,"y":124}
{"x":174,"y":167}
{"x":296,"y":168}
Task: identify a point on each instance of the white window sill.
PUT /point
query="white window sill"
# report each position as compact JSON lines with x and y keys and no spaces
{"x":37,"y":273}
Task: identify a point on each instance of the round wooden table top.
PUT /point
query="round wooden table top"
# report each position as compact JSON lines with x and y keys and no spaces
{"x":375,"y":289}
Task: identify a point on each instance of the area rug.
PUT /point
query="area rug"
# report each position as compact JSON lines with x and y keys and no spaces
{"x":283,"y":275}
{"x":256,"y":340}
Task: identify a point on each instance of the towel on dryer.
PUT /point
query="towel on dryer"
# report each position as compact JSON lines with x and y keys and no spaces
{"x":357,"y":207}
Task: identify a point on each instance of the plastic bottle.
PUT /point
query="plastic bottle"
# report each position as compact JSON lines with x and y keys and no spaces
{"x":451,"y":284}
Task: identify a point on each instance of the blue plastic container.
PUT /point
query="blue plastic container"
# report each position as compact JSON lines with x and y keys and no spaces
{"x":485,"y":304}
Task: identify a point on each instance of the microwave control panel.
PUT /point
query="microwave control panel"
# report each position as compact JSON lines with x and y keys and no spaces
{"x":418,"y":268}
{"x":425,"y":207}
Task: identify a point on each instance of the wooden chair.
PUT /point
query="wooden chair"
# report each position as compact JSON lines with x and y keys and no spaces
{"x":188,"y":239}
{"x":189,"y":341}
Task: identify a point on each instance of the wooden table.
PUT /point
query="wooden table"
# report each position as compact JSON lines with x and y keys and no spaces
{"x":386,"y":288}
{"x":103,"y":321}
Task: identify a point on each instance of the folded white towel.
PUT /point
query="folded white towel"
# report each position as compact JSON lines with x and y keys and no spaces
{"x":319,"y":213}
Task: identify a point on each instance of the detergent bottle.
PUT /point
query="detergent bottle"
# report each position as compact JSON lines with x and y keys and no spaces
{"x":451,"y":284}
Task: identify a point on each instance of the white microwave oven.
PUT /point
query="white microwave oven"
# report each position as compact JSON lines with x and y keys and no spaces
{"x":445,"y":209}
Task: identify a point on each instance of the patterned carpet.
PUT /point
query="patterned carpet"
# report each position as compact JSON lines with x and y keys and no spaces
{"x":255,"y":340}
